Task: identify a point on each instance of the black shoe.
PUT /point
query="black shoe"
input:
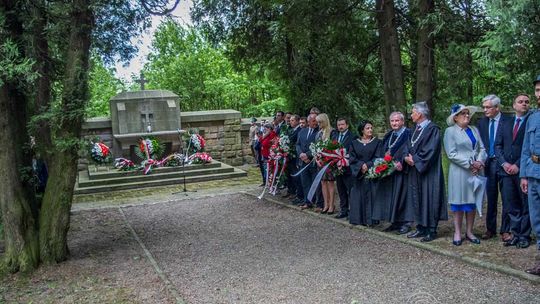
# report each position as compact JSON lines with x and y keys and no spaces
{"x":341,"y":215}
{"x":297,"y":201}
{"x":457,"y":243}
{"x":330,"y":212}
{"x":404,"y":230}
{"x":324,"y":212}
{"x":512,"y":242}
{"x":416,"y":234}
{"x":429,"y":237}
{"x":474,"y":241}
{"x":523,"y":244}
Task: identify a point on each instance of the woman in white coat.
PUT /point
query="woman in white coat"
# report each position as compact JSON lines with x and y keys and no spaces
{"x":467,"y":155}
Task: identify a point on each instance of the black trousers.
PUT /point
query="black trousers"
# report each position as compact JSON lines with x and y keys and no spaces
{"x":492,"y":193}
{"x":291,"y":169}
{"x":344,"y":185}
{"x":516,"y":204}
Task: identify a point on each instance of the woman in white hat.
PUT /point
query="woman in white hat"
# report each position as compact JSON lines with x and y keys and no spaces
{"x":467,"y":155}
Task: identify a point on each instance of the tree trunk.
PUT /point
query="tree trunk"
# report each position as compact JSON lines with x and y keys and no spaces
{"x":425,"y":83}
{"x":16,"y":200}
{"x":392,"y":68}
{"x":20,"y":234}
{"x":55,"y":210}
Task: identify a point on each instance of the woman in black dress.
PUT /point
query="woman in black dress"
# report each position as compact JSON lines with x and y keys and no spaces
{"x":363,"y":152}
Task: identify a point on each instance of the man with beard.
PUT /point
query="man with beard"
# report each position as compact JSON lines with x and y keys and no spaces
{"x":391,"y":191}
{"x":343,"y":181}
{"x":425,"y":180}
{"x":508,"y":145}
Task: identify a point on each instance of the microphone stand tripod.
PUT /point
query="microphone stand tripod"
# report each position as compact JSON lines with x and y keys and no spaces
{"x":184,"y":159}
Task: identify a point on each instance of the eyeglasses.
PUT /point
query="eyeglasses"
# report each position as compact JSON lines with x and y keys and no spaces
{"x":464,"y":113}
{"x":488,"y":107}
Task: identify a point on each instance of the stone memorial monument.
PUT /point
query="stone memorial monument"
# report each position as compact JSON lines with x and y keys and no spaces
{"x":144,"y":113}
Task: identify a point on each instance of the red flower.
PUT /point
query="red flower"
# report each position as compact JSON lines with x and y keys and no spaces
{"x":387,"y":158}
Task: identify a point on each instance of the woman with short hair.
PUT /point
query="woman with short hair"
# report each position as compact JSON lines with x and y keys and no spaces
{"x":266,"y":139}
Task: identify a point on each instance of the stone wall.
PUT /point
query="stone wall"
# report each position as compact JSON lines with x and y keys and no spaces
{"x":223,"y":130}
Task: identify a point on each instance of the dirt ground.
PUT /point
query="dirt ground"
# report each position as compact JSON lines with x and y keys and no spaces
{"x":108,"y":265}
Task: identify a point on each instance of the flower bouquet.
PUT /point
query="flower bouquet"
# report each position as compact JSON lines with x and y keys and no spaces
{"x":196,"y":143}
{"x":382,"y":167}
{"x":277,"y":162}
{"x":200,"y":158}
{"x":100,"y":153}
{"x":124,"y":164}
{"x":149,"y":148}
{"x":331,"y":154}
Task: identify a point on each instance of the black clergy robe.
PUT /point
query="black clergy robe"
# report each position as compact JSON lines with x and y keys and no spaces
{"x":425,"y":180}
{"x":360,"y":197}
{"x":392,"y":205}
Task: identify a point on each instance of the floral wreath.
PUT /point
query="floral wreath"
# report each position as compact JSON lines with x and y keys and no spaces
{"x":149,"y":148}
{"x":100,"y":153}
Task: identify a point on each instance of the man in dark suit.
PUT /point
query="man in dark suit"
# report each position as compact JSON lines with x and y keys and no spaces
{"x":279,"y":122}
{"x":293,"y":191}
{"x":508,"y":152}
{"x":344,"y":181}
{"x":488,"y":128}
{"x":305,"y":137}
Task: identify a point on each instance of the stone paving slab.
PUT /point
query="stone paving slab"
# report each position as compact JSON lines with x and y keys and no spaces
{"x":233,"y":248}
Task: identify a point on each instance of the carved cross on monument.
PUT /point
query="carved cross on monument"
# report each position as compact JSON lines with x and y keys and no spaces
{"x":147,"y":118}
{"x":142,"y":81}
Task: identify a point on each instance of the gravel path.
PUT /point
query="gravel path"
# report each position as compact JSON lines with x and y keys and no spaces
{"x":233,"y":248}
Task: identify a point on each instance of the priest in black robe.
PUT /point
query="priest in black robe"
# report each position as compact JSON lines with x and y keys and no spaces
{"x":362,"y":154}
{"x":390,"y":192}
{"x":425,"y":180}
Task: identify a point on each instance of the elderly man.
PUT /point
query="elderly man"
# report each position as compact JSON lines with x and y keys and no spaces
{"x":344,"y":181}
{"x":489,"y":127}
{"x":508,"y":153}
{"x":391,"y":192}
{"x":530,"y":170}
{"x":425,"y":178}
{"x":305,"y":137}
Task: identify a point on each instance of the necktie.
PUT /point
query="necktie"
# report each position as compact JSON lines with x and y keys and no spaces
{"x":492,"y":137}
{"x":309,"y":133}
{"x":516,"y":128}
{"x":340,"y":138}
{"x":393,"y":138}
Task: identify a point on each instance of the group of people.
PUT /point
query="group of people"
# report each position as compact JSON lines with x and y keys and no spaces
{"x":501,"y":154}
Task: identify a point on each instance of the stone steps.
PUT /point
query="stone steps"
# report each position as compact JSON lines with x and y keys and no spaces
{"x":113,"y":180}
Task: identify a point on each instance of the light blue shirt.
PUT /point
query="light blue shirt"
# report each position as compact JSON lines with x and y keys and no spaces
{"x":531,"y":145}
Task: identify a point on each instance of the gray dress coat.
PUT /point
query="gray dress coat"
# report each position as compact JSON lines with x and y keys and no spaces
{"x":460,"y":152}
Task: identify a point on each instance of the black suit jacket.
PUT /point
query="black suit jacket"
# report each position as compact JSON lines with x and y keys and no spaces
{"x":293,"y":137}
{"x":508,"y":149}
{"x":483,"y":128}
{"x":303,"y":142}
